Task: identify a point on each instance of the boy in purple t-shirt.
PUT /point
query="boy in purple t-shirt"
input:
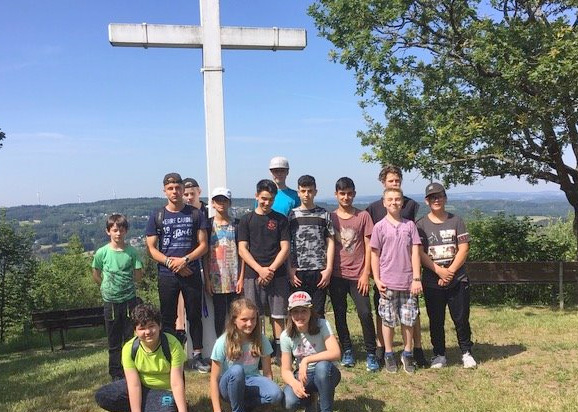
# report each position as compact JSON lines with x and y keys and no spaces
{"x":395,"y":263}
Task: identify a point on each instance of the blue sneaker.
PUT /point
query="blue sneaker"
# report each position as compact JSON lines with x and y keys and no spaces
{"x":372,"y":365}
{"x":348,"y":360}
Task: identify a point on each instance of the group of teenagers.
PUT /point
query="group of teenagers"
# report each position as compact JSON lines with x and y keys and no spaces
{"x":280,"y":260}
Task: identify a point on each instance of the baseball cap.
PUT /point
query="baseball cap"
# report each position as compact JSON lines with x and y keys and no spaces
{"x":299,"y":299}
{"x":172,"y":178}
{"x":433,"y":188}
{"x":221,"y":191}
{"x":190,"y":182}
{"x":279,"y":162}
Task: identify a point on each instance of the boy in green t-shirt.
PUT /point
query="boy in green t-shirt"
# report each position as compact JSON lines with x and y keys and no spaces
{"x":153,"y":365}
{"x":115,"y":268}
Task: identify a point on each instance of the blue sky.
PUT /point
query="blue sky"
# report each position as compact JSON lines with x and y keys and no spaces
{"x":85,"y":120}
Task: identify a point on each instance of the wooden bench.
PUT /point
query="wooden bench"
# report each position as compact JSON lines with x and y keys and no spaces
{"x":496,"y":273}
{"x":62,"y":320}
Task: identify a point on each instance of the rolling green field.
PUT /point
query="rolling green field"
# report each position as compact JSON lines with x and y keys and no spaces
{"x":528,"y":361}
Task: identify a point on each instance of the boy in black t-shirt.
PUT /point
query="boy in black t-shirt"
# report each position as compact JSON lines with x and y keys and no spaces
{"x":445,"y":241}
{"x":264,"y":246}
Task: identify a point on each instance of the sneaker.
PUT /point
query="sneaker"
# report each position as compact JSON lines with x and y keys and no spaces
{"x":390,"y":364}
{"x":438,"y":362}
{"x":313,"y":405}
{"x":408,"y":363}
{"x":371,"y":364}
{"x":469,"y":361}
{"x":199,"y":364}
{"x":419,"y":358}
{"x":348,"y":360}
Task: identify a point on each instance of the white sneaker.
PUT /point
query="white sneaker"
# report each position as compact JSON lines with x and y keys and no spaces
{"x":469,"y":361}
{"x":438,"y":362}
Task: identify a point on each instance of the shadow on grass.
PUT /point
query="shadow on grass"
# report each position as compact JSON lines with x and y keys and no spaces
{"x":359,"y":403}
{"x":487,"y":352}
{"x":40,"y":373}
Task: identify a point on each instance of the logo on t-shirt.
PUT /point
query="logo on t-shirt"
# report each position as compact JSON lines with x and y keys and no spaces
{"x":272,"y":224}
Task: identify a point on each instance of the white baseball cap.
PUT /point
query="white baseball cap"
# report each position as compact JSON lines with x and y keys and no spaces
{"x":279,"y":162}
{"x":221,"y":191}
{"x":300,"y":299}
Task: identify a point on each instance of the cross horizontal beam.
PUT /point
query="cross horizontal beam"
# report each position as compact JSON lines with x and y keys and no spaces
{"x":180,"y":36}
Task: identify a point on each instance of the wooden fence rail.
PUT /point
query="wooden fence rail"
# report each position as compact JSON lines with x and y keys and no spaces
{"x":492,"y":273}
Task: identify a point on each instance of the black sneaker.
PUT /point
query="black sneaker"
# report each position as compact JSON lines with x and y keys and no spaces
{"x":419,"y":358}
{"x":408,"y":363}
{"x":199,"y":364}
{"x":390,"y":364}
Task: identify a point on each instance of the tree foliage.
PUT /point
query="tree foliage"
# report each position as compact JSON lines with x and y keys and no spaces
{"x":17,"y":273}
{"x":2,"y":137}
{"x":65,"y":280}
{"x":469,"y":89}
{"x":504,"y":238}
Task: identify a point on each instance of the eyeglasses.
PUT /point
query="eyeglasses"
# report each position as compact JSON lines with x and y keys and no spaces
{"x":436,"y":197}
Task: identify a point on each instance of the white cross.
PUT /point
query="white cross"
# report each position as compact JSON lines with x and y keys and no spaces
{"x":211,"y":37}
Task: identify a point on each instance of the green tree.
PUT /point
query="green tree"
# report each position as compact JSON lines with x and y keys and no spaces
{"x":504,"y":238}
{"x":65,"y":280}
{"x":2,"y":137}
{"x":469,"y":89}
{"x":17,"y":272}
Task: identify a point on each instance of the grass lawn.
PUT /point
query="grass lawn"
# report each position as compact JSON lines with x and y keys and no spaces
{"x":528,"y":361}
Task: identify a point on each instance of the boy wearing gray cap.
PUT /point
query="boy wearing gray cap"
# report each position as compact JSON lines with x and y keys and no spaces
{"x":445,"y":243}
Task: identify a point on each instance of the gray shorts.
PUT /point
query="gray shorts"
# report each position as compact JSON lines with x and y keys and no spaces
{"x":398,"y":306}
{"x":271,"y":299}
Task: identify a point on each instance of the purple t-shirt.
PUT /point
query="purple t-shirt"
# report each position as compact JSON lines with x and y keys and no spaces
{"x":394,"y":242}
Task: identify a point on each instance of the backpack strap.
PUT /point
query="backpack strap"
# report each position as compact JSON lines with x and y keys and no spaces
{"x":164,"y":346}
{"x":159,"y":217}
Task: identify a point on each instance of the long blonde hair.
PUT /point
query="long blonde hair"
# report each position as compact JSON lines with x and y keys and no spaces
{"x":232,"y":336}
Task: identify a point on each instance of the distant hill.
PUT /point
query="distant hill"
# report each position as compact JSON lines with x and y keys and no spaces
{"x":53,"y":225}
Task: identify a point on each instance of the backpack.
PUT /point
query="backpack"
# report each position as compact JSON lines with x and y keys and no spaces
{"x":160,"y":215}
{"x":164,"y":345}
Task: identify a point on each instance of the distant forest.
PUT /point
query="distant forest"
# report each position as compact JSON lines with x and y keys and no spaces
{"x":54,"y":225}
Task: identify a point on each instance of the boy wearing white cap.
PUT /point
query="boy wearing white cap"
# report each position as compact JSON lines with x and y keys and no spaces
{"x":286,"y":198}
{"x":225,"y":271}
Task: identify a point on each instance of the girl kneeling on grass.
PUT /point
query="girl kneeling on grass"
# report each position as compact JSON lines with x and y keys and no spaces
{"x":311,"y":341}
{"x":235,"y":369}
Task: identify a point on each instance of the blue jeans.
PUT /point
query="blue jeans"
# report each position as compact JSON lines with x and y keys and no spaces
{"x":246,"y":392}
{"x":114,"y":397}
{"x":323,"y":379}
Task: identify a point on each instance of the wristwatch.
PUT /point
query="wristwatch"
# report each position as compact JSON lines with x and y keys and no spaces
{"x":187,"y":259}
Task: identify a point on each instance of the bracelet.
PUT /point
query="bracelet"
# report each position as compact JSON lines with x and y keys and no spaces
{"x":168,"y":261}
{"x":417,"y":279}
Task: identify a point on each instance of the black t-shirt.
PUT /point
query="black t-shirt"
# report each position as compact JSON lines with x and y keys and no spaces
{"x":264,"y":234}
{"x":377,"y":210}
{"x":440,"y":241}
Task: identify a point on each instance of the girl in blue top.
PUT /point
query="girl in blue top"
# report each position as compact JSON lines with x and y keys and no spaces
{"x":312,"y":343}
{"x":235,"y":362}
